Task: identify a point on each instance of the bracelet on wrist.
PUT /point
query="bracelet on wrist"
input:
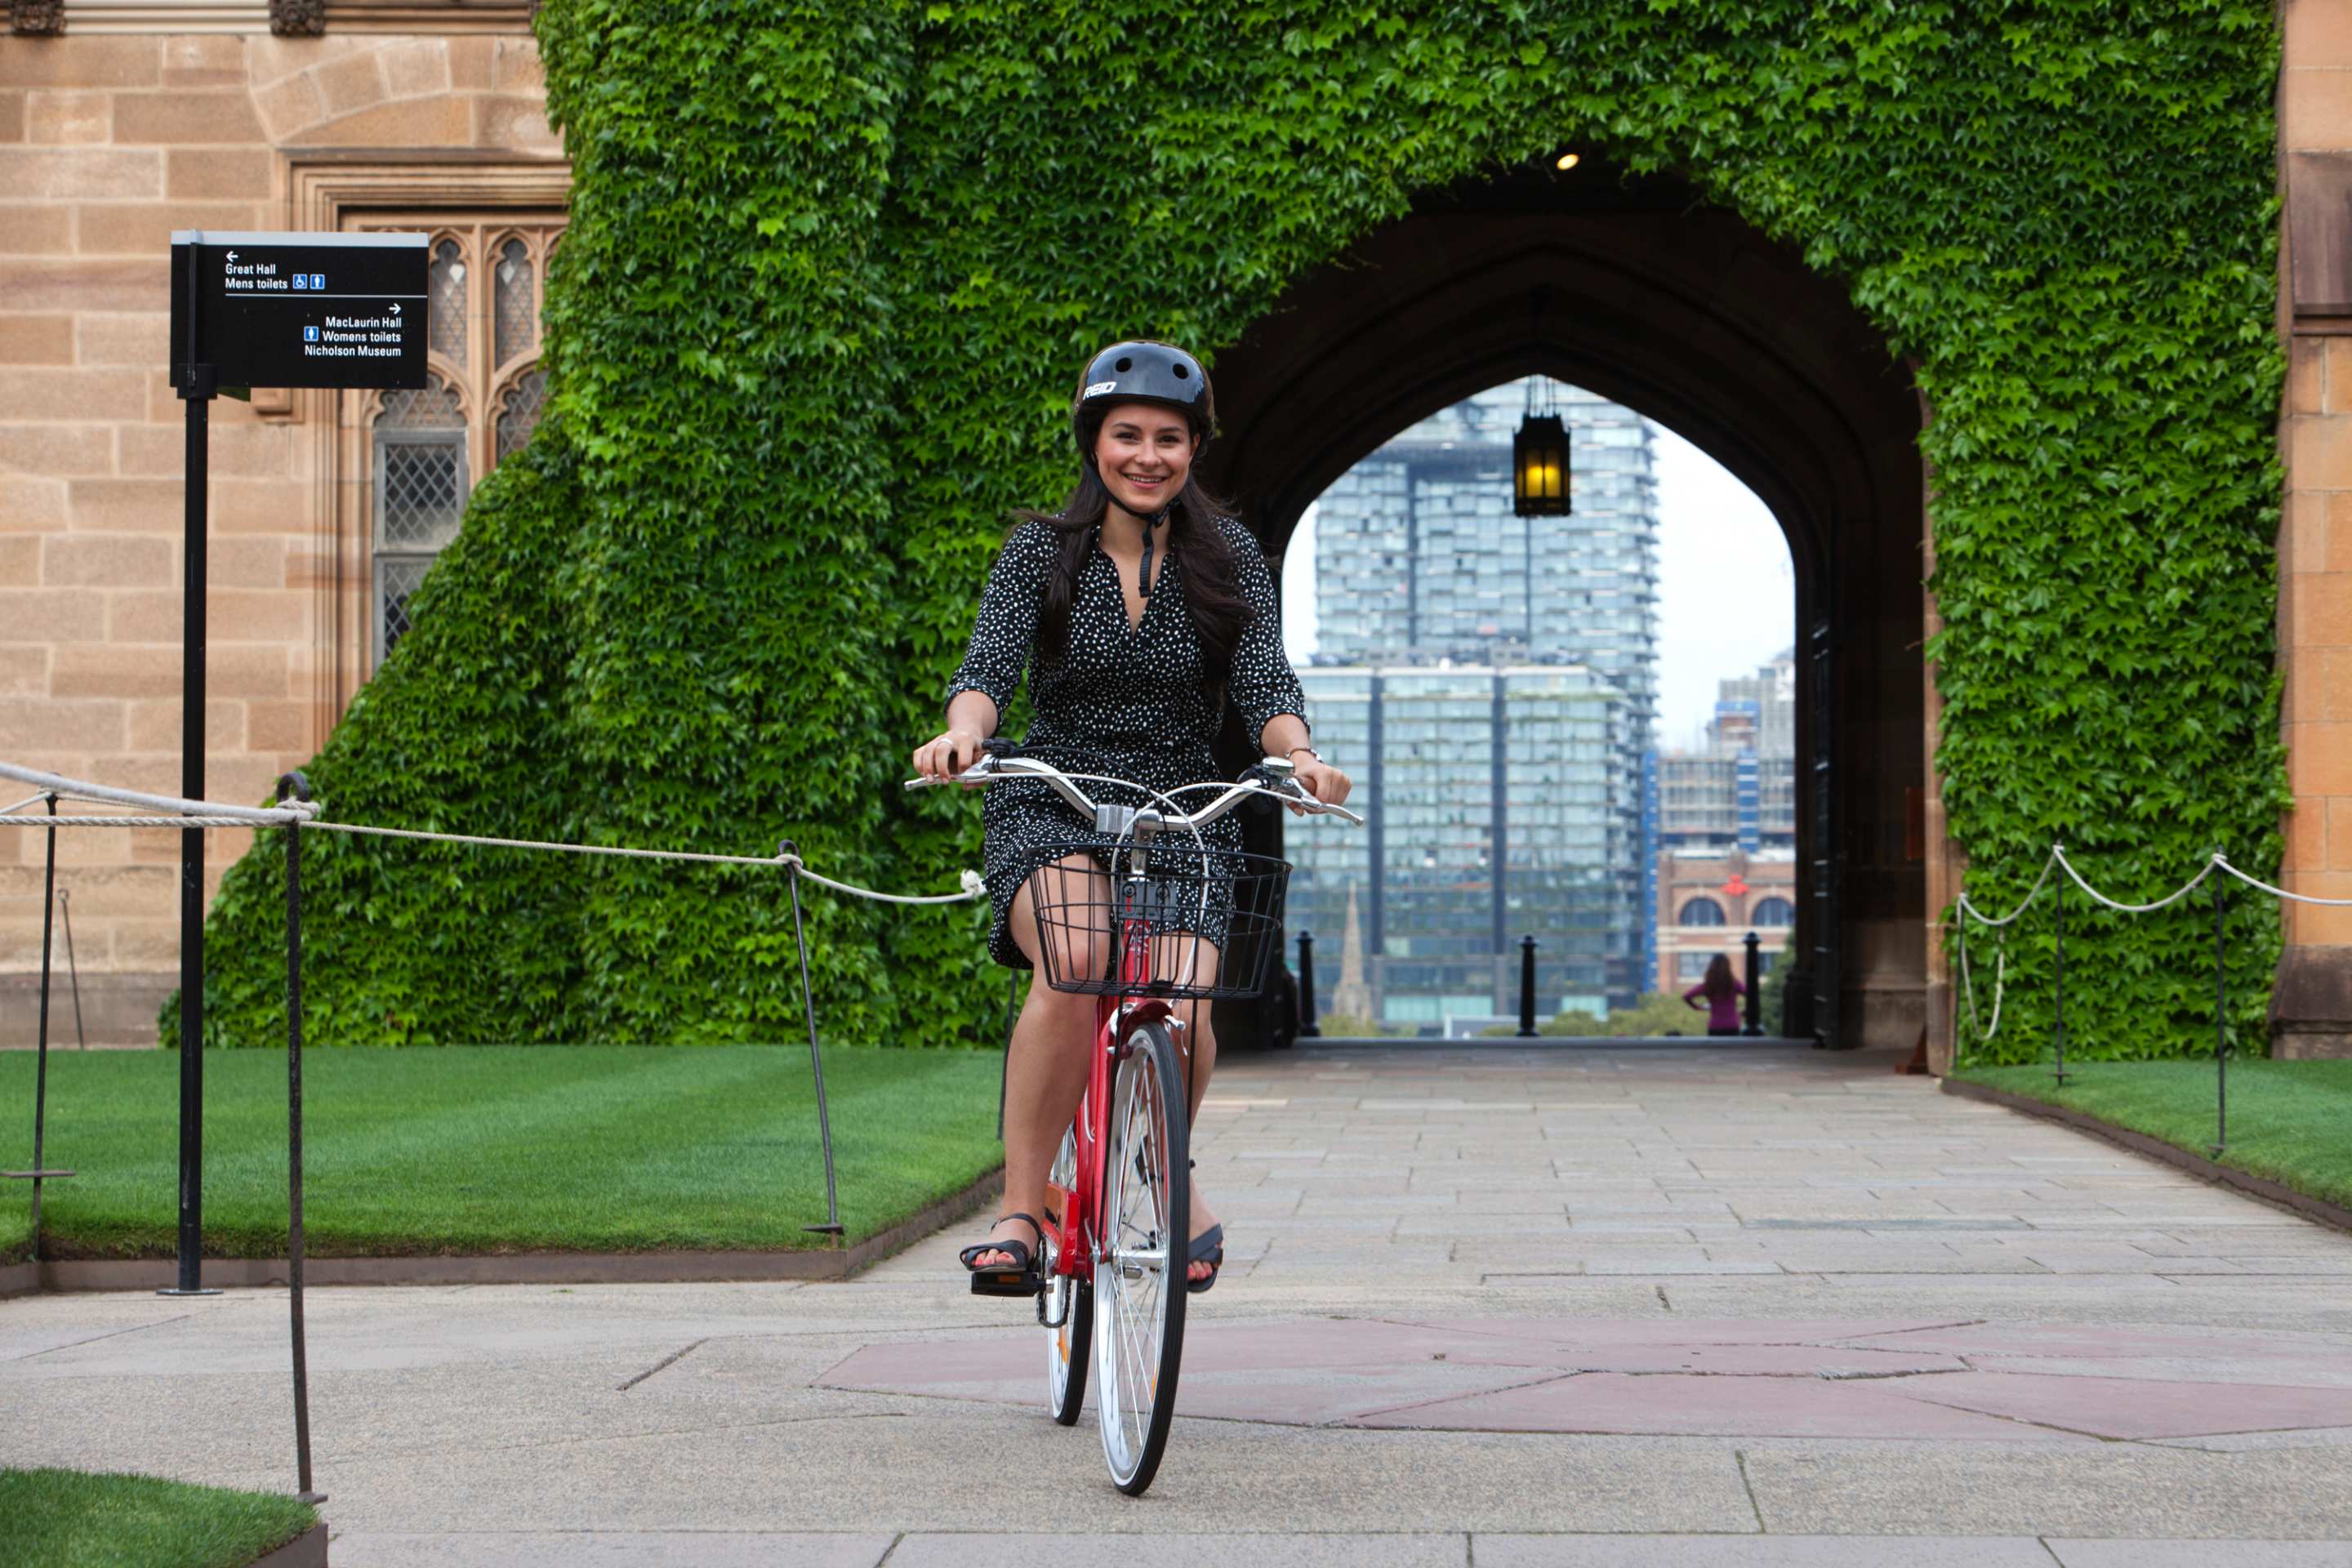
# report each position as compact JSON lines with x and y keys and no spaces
{"x":1294,"y":752}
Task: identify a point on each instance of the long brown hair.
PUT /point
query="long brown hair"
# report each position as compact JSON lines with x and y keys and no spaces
{"x":1718,"y":983}
{"x":1213,"y":596}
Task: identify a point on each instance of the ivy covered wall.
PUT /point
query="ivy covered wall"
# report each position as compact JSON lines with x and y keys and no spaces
{"x":831,"y":270}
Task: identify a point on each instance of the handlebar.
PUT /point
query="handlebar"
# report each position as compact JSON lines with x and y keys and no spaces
{"x":998,"y":761}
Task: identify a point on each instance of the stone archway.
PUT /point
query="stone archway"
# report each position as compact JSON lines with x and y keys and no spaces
{"x":1635,"y":290}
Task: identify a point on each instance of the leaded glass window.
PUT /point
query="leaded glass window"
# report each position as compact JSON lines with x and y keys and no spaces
{"x":518,"y":321}
{"x":518,"y":412}
{"x":445,"y":295}
{"x":420,"y":495}
{"x":426,"y":448}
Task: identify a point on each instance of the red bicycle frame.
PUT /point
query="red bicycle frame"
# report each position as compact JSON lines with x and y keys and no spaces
{"x":1078,"y":1247}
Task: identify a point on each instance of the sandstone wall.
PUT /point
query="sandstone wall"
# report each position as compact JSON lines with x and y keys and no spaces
{"x":108,"y":143}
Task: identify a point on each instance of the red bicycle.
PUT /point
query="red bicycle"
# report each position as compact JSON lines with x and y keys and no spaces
{"x":1145,"y":915}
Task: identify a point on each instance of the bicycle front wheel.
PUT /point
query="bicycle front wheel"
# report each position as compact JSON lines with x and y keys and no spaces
{"x":1139,"y":1285}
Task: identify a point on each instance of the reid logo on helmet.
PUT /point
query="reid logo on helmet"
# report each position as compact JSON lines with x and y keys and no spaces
{"x":1094,"y":387}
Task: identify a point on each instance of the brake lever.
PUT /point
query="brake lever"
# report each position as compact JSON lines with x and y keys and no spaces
{"x":1299,"y":793}
{"x":979,"y":772}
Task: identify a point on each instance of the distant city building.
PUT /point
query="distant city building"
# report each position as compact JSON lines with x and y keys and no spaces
{"x":1739,"y":788}
{"x":1499,"y":808}
{"x":1490,"y":680}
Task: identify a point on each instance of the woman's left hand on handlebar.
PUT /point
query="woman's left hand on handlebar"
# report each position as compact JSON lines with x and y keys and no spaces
{"x":1321,"y":780}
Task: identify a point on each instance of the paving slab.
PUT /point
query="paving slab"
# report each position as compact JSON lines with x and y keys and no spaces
{"x":1449,"y":1550}
{"x":1758,"y":1551}
{"x":2201,"y":1553}
{"x":613,"y":1549}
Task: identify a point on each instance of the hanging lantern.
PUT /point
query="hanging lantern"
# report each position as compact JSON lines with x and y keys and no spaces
{"x":1540,"y":481}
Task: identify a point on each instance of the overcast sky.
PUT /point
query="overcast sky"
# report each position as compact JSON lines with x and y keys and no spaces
{"x":1727,"y":595}
{"x":1726,"y":591}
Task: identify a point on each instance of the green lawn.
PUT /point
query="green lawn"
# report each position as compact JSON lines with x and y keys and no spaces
{"x":2290,"y":1121}
{"x":65,"y":1519}
{"x":492,"y":1149}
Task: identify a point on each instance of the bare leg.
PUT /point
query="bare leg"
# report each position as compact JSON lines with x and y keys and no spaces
{"x":1046,"y":1069}
{"x":1191,"y":957}
{"x":1203,"y":1039}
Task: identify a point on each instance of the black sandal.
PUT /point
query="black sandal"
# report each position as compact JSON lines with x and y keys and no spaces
{"x":1208,"y":1247}
{"x":1021,"y":1279}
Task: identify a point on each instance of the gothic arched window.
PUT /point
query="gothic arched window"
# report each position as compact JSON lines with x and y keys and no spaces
{"x":426,"y":450}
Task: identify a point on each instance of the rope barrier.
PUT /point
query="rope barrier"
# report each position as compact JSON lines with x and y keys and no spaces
{"x":2223,"y":861}
{"x":2031,"y":893}
{"x":305,"y":814}
{"x":2188,"y":888}
{"x":286,"y":820}
{"x":1969,"y":990}
{"x":83,"y":790}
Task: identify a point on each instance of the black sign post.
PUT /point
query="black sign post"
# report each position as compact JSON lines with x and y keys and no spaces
{"x":261,"y":309}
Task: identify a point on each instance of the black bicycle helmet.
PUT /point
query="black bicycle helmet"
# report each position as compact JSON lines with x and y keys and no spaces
{"x":1140,"y":371}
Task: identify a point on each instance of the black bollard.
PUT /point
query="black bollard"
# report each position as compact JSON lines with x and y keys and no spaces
{"x":1755,"y":1004}
{"x":2059,"y":1031}
{"x":1306,"y":1025}
{"x":1527,"y":988}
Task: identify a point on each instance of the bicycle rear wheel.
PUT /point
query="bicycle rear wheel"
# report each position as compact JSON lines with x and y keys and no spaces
{"x":1068,"y":1308}
{"x":1139,"y":1287}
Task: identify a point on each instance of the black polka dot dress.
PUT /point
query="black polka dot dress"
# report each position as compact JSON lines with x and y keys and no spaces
{"x":1126,"y":702}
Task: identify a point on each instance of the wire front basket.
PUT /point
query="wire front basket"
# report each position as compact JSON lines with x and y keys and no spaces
{"x":1172,"y":921}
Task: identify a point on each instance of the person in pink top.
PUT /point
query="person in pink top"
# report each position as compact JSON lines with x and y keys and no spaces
{"x":1722,"y":993}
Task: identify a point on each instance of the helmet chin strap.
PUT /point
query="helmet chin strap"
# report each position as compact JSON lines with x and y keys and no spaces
{"x":1143,"y":575}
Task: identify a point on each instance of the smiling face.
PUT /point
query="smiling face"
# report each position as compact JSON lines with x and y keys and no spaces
{"x":1144,"y":453}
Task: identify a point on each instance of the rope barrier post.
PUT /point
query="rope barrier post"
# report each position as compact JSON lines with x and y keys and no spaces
{"x":1752,"y":1019}
{"x":73,"y":970}
{"x":2060,"y":1035}
{"x":299,"y":787}
{"x":2220,"y":1024}
{"x":1527,"y":987}
{"x":41,"y":1064}
{"x":789,"y":855}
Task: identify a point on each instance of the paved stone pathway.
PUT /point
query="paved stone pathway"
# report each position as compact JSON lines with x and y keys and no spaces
{"x":1724,"y":1306}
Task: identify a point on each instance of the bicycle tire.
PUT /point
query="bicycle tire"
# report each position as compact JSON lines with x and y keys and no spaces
{"x":1139,"y":1305}
{"x":1069,"y":1307}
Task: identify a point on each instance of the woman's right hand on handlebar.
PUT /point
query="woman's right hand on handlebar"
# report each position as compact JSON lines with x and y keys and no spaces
{"x":948,"y":754}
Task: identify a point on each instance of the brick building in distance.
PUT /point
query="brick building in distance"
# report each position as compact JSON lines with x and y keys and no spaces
{"x":1726,"y":832}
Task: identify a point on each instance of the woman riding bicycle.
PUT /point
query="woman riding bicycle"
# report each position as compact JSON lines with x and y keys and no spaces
{"x":1138,"y":611}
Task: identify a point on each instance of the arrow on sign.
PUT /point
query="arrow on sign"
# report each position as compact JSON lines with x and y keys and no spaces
{"x":232,"y":256}
{"x":395,"y":309}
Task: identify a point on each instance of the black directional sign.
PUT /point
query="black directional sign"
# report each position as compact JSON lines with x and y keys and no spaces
{"x":299,"y":309}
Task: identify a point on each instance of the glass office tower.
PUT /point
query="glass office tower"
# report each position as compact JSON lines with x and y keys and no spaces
{"x":1489,"y":680}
